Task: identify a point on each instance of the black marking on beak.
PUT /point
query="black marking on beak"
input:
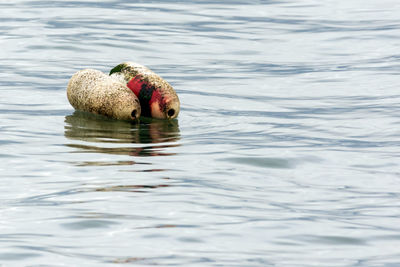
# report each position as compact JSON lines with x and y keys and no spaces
{"x":171,"y":112}
{"x":133,"y":113}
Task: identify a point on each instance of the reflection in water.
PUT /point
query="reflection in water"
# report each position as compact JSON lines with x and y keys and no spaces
{"x":102,"y":135}
{"x":130,"y":188}
{"x":128,"y":260}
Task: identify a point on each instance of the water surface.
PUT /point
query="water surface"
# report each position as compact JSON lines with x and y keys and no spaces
{"x":285,"y":152}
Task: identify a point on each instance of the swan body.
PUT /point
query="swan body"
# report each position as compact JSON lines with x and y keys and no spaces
{"x":93,"y":91}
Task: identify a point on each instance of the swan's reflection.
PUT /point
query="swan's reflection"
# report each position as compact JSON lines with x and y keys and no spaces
{"x":96,"y":134}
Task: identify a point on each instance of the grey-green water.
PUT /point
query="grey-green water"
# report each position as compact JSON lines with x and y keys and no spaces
{"x":285,"y":153}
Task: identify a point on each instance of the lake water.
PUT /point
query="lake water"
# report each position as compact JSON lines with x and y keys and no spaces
{"x":285,"y":153}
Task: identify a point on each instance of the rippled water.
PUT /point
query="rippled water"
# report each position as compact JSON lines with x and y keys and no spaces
{"x":285,"y":153}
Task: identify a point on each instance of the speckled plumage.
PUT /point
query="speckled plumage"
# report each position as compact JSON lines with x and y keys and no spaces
{"x":157,"y":97}
{"x":93,"y":91}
